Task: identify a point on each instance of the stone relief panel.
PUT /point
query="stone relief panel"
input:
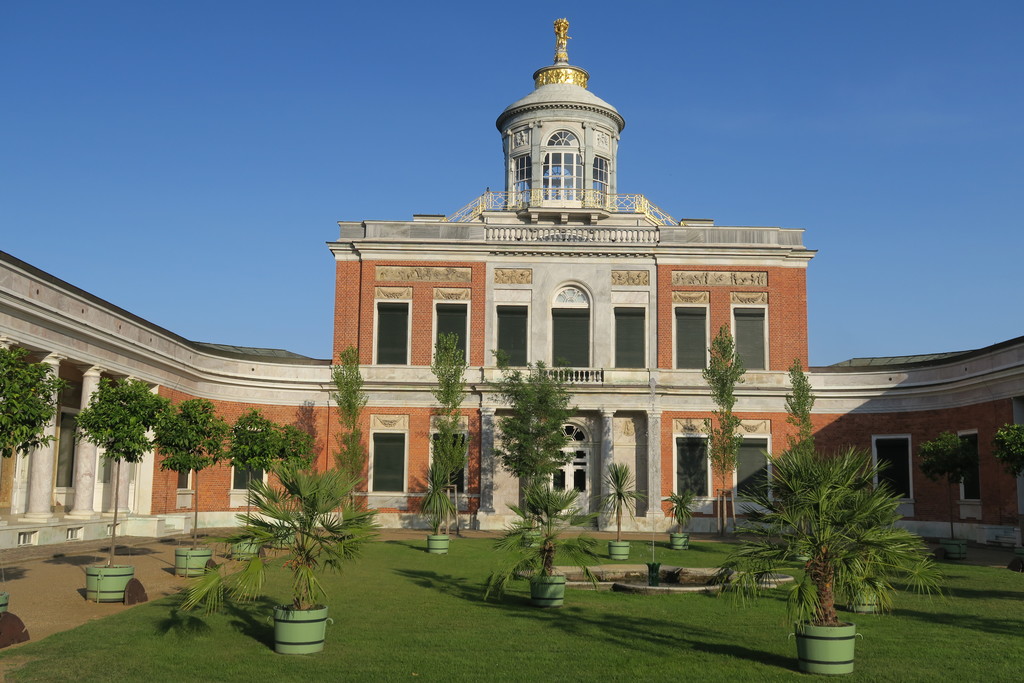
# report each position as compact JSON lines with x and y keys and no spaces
{"x":452,"y":294}
{"x":629,"y":431}
{"x":749,"y":297}
{"x":688,"y":425}
{"x":720,"y":278}
{"x":521,"y":137}
{"x":392,"y":292}
{"x":631,"y":278}
{"x":513,"y":276}
{"x":463,"y":422}
{"x":691,"y":297}
{"x":601,"y":139}
{"x":394,"y":422}
{"x":424,"y":274}
{"x":756,"y":426}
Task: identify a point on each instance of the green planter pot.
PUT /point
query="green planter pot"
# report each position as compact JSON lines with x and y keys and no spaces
{"x":679,"y":541}
{"x":283,"y":543}
{"x":245,"y":550}
{"x":531,"y":538}
{"x":106,"y":584}
{"x":826,"y":649}
{"x":5,"y":600}
{"x":299,"y":632}
{"x":618,"y":550}
{"x":191,"y":561}
{"x":437,"y":544}
{"x":547,"y":591}
{"x":865,"y":603}
{"x":955,"y":548}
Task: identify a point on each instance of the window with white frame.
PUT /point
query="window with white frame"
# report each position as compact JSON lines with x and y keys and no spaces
{"x":522,"y":178}
{"x":970,"y":487}
{"x":691,"y":464}
{"x":563,"y":169}
{"x":570,"y":328}
{"x":452,"y":319}
{"x":241,"y":477}
{"x":513,"y":333}
{"x":600,"y":182}
{"x":749,"y":330}
{"x":388,"y":461}
{"x":392,"y":333}
{"x":893,"y":453}
{"x":752,"y":467}
{"x":691,"y":337}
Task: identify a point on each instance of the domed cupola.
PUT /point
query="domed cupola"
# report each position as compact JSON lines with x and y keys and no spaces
{"x":561,"y":140}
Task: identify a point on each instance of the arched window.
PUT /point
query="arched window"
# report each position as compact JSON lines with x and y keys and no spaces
{"x":570,"y":328}
{"x":563,"y":169}
{"x":576,"y":472}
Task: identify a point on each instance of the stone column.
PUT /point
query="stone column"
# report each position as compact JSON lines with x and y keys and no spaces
{"x":124,"y":479}
{"x":654,"y":496}
{"x":487,"y":463}
{"x":83,"y":506}
{"x":40,"y":482}
{"x":607,"y":458}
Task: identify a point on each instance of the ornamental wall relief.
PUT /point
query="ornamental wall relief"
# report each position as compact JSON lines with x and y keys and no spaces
{"x":688,"y":425}
{"x":452,"y":294}
{"x":631,"y":278}
{"x":521,"y":137}
{"x":423,"y":274}
{"x":691,"y":297}
{"x":720,"y":278}
{"x":748,"y":297}
{"x":513,"y":276}
{"x":392,"y":292}
{"x":392,"y":422}
{"x":756,"y":426}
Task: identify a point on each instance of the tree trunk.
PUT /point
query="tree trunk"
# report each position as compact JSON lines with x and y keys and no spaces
{"x":195,"y":507}
{"x":949,"y":497}
{"x":113,"y":529}
{"x":823,"y":579}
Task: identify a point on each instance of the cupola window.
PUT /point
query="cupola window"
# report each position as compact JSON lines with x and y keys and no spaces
{"x":523,"y":175}
{"x":600,"y":174}
{"x":563,"y":170}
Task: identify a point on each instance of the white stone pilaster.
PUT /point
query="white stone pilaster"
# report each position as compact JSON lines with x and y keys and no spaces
{"x":607,"y":458}
{"x":487,"y":461}
{"x":86,"y":457}
{"x":39,"y":507}
{"x":654,"y":465}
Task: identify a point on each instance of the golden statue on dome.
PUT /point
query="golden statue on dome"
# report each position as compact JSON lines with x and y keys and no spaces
{"x":561,"y":41}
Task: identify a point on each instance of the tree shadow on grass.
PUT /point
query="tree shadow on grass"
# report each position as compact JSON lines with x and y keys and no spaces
{"x":251,"y":619}
{"x":971,"y":622}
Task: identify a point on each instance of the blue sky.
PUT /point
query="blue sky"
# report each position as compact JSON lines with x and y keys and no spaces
{"x":187,"y":161}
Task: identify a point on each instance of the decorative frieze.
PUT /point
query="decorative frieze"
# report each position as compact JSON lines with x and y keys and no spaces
{"x":513,"y":276}
{"x":423,"y":274}
{"x":748,"y":297}
{"x":691,"y":297}
{"x":521,"y":138}
{"x":720,"y":278}
{"x":398,"y":423}
{"x":452,"y":294}
{"x":756,"y":426}
{"x":631,"y":278}
{"x":392,"y":292}
{"x":688,"y":425}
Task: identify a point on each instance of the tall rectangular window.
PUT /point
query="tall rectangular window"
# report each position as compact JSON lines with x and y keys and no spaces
{"x":691,"y":338}
{"x":451,"y":319}
{"x":600,"y":174}
{"x":570,"y":337}
{"x":630,"y":336}
{"x":523,"y":174}
{"x":692,"y":465}
{"x":242,"y":477}
{"x":392,"y":333}
{"x":750,"y":337}
{"x":66,"y":451}
{"x":512,"y":333}
{"x":894,"y":452}
{"x":460,"y":477}
{"x":751,"y":468}
{"x":970,"y":488}
{"x":388,"y":461}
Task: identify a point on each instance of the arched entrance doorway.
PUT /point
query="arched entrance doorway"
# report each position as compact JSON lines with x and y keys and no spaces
{"x":575,"y":474}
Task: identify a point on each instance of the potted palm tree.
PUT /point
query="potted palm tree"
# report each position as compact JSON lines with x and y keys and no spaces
{"x":437,"y":505}
{"x":620,"y":493}
{"x":681,"y":509}
{"x":550,"y":513}
{"x":829,"y":508}
{"x":311,"y":518}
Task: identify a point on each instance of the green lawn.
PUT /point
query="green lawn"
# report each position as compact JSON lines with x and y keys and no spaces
{"x":401,"y":613}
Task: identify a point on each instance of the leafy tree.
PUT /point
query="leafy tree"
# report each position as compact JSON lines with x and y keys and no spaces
{"x":350,"y":399}
{"x":829,"y":509}
{"x":258,"y":443}
{"x":311,"y":517}
{"x":948,"y":456}
{"x":28,"y":402}
{"x":449,"y":445}
{"x":118,"y":419}
{"x":191,"y":437}
{"x":620,"y":488}
{"x":725,"y":370}
{"x":799,"y":402}
{"x":1008,"y":447}
{"x":531,"y":438}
